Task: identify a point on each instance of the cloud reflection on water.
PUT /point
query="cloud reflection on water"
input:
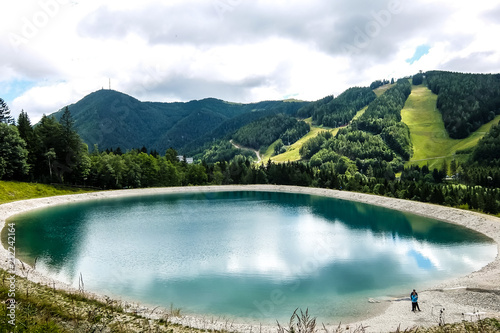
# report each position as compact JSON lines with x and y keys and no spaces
{"x":182,"y":248}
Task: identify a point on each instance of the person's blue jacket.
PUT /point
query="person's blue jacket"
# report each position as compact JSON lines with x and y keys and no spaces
{"x":414,"y":298}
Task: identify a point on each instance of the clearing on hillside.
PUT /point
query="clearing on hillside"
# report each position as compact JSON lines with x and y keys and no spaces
{"x":292,"y":153}
{"x":431,"y":142}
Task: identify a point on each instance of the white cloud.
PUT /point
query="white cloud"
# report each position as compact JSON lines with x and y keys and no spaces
{"x":238,"y":50}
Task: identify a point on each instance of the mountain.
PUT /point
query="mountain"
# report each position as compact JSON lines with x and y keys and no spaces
{"x":371,"y":125}
{"x":112,"y":119}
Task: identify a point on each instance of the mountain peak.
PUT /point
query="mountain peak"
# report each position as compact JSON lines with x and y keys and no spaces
{"x":112,"y":119}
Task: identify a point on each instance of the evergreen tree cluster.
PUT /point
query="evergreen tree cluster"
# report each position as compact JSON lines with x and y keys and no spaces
{"x":263,"y":132}
{"x":466,"y":101}
{"x":293,"y":134}
{"x":340,"y":111}
{"x":337,"y":112}
{"x":222,"y":150}
{"x":417,"y":79}
{"x":483,"y":166}
{"x":379,"y":83}
{"x":375,"y":144}
{"x":307,"y":110}
{"x":383,"y":117}
{"x":50,"y":152}
{"x":487,"y":150}
{"x":385,"y":111}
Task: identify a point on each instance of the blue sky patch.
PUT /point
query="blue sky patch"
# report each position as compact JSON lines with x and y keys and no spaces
{"x":13,"y":89}
{"x":419,"y":53}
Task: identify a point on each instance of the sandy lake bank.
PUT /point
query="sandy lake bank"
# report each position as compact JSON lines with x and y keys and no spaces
{"x":476,"y":292}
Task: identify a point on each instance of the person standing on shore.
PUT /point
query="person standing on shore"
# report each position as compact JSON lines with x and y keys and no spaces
{"x":414,"y":301}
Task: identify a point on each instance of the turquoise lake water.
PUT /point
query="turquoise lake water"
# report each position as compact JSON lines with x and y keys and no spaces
{"x":248,"y":255}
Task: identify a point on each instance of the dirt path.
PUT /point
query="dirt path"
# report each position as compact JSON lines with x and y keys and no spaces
{"x":246,"y":148}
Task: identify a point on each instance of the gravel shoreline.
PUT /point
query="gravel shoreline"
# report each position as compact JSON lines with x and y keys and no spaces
{"x":478,"y":292}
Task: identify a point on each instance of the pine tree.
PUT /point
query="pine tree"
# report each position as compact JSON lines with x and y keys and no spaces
{"x":24,"y":126}
{"x":5,"y":116}
{"x":67,"y":122}
{"x":13,"y":153}
{"x":27,"y":133}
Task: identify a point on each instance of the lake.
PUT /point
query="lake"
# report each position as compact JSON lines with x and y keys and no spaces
{"x":249,"y":255}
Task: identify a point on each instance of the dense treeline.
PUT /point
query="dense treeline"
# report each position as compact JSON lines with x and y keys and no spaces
{"x":376,"y":144}
{"x":336,"y":112}
{"x":263,"y":132}
{"x":293,"y":134}
{"x":50,"y":152}
{"x":483,"y":166}
{"x":385,"y":111}
{"x":383,"y":117}
{"x":341,"y":110}
{"x":415,"y":183}
{"x":487,"y":150}
{"x":379,"y":83}
{"x":308,"y":110}
{"x":417,"y":79}
{"x":229,"y":127}
{"x":466,"y":101}
{"x":222,"y":150}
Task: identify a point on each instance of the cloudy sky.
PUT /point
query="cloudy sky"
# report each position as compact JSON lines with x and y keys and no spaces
{"x":54,"y":52}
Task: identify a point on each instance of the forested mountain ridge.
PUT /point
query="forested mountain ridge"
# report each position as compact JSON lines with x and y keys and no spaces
{"x":339,"y":111}
{"x":375,"y":144}
{"x":112,"y":119}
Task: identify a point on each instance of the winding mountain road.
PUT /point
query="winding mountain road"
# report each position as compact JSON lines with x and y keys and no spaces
{"x":246,"y":148}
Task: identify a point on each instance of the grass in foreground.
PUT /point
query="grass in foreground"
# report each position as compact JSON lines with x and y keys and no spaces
{"x":304,"y":323}
{"x":431,"y":142}
{"x":12,"y":191}
{"x":40,"y":308}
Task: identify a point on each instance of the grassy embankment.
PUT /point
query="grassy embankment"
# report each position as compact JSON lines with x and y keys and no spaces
{"x":431,"y":142}
{"x":40,"y":308}
{"x":12,"y":191}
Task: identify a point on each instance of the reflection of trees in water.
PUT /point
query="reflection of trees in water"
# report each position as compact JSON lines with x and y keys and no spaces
{"x":382,"y":220}
{"x":58,"y":232}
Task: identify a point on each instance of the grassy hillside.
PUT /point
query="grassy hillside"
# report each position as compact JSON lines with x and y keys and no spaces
{"x":431,"y":142}
{"x":12,"y":191}
{"x":292,"y":153}
{"x":380,"y":90}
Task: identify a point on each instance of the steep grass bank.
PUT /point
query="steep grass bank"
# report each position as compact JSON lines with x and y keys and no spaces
{"x":431,"y":142}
